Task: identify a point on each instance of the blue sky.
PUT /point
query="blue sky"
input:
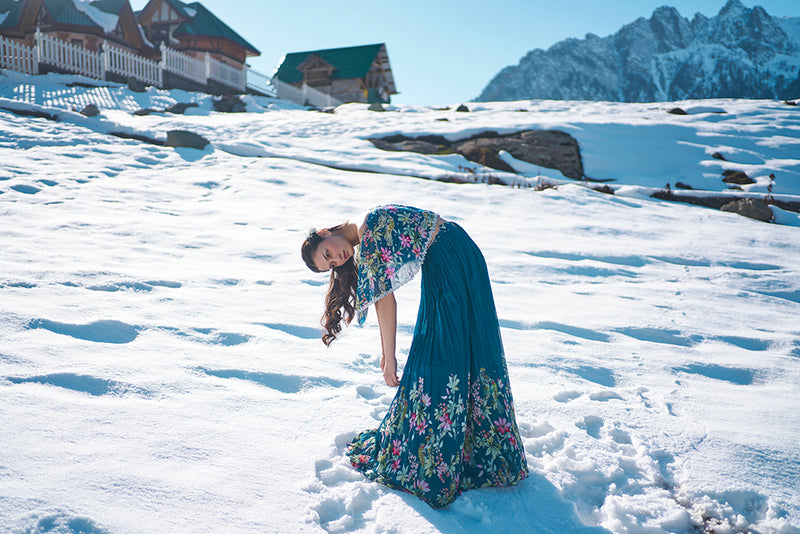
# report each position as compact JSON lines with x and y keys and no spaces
{"x":442,"y":52}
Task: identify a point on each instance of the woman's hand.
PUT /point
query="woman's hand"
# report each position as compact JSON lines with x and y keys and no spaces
{"x":386,"y":309}
{"x":389,"y":368}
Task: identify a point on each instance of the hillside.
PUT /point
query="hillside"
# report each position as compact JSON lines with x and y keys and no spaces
{"x":161,"y":368}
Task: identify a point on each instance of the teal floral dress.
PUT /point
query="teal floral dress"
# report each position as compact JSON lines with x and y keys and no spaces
{"x":451,"y":425}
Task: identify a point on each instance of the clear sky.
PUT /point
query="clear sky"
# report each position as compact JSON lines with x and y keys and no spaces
{"x":442,"y":52}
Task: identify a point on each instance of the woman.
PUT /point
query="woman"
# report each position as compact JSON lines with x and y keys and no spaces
{"x":451,"y":425}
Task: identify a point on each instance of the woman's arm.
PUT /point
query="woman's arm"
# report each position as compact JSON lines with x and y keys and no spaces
{"x":386,"y":310}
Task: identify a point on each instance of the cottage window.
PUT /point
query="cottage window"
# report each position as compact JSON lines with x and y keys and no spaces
{"x":77,"y":42}
{"x":42,"y":18}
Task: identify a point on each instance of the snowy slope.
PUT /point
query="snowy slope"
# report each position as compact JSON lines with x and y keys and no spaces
{"x":160,"y":365}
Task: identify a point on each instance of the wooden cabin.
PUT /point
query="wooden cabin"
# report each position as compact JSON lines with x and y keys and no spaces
{"x":353,"y":74}
{"x":194,"y":30}
{"x":79,"y":22}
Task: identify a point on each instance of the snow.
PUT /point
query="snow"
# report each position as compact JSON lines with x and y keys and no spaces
{"x":160,"y":363}
{"x":107,"y":21}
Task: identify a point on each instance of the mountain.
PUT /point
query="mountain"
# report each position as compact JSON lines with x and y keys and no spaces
{"x":739,"y":53}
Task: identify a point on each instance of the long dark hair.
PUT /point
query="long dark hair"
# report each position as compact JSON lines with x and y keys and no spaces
{"x":340,"y":302}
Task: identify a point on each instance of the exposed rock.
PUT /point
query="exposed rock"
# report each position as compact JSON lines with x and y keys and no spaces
{"x":604,"y":189}
{"x":717,"y":155}
{"x":750,"y":207}
{"x":181,"y":107}
{"x":790,"y":102}
{"x":91,"y":110}
{"x":136,"y":86}
{"x":551,"y":149}
{"x":736,"y":177}
{"x":183,"y":138}
{"x":144,"y":111}
{"x":230,"y":104}
{"x":462,"y":109}
{"x":681,"y":185}
{"x":376,"y":106}
{"x":677,"y":111}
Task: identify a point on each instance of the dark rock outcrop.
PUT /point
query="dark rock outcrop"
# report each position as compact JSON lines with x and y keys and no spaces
{"x":90,"y":110}
{"x":230,"y":104}
{"x":183,"y":138}
{"x":736,"y":177}
{"x":180,"y":108}
{"x":136,"y":86}
{"x":551,"y":149}
{"x":750,"y":207}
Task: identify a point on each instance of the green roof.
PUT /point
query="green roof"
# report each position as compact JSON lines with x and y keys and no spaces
{"x":350,"y":62}
{"x":204,"y":22}
{"x":11,"y":10}
{"x":112,"y":7}
{"x":65,"y":12}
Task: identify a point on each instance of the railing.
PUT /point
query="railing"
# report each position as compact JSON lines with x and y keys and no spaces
{"x":304,"y":95}
{"x":226,"y":74}
{"x":112,"y":59}
{"x":17,"y":56}
{"x":184,"y":66}
{"x":68,"y":56}
{"x":260,"y":83}
{"x":128,"y":64}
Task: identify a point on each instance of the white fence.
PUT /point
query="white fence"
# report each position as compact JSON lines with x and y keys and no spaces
{"x":183,"y":65}
{"x":113,"y":59}
{"x":304,"y":95}
{"x":126,"y":63}
{"x":17,"y":56}
{"x":67,"y":56}
{"x":260,"y":83}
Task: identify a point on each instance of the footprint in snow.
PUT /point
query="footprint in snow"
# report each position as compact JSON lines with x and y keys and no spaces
{"x":605,"y":395}
{"x":343,"y":495}
{"x":90,"y":385}
{"x":62,"y":522}
{"x":567,"y":395}
{"x":592,"y":425}
{"x":277,"y":381}
{"x":107,"y":331}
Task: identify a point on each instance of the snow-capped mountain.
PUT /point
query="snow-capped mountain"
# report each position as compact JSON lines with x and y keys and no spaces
{"x":739,"y":53}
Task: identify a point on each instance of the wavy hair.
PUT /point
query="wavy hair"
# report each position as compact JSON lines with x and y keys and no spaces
{"x":340,"y":301}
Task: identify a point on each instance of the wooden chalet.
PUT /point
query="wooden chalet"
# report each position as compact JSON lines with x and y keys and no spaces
{"x":353,"y":74}
{"x":194,"y":30}
{"x":79,"y":22}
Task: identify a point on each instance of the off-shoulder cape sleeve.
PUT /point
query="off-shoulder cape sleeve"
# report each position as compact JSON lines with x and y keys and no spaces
{"x":392,"y":249}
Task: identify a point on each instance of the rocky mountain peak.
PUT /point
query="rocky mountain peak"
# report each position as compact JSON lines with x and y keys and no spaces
{"x":738,"y":53}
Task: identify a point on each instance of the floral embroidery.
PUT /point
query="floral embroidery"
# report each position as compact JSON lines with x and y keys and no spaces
{"x":417,"y":447}
{"x":391,"y":251}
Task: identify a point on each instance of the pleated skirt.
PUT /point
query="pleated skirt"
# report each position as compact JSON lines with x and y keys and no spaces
{"x":451,"y":425}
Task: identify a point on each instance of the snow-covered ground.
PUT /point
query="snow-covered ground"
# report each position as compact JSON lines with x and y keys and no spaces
{"x":160,"y":362}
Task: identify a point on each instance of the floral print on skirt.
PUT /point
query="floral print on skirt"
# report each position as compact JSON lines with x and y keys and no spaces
{"x":451,"y":425}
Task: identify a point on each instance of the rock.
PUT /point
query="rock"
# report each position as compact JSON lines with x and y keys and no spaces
{"x":717,"y":155}
{"x":144,"y":111}
{"x":749,"y":207}
{"x":681,"y":185}
{"x":547,"y":148}
{"x":484,"y":152}
{"x":462,"y":109}
{"x":181,"y":107}
{"x":183,"y":138}
{"x":90,"y":111}
{"x":230,"y":104}
{"x":790,"y":102}
{"x":736,"y":177}
{"x":677,"y":111}
{"x":604,"y":189}
{"x":376,"y":106}
{"x":136,"y":86}
{"x":552,"y":149}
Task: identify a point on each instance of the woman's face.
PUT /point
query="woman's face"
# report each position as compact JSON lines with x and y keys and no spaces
{"x":332,"y":252}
